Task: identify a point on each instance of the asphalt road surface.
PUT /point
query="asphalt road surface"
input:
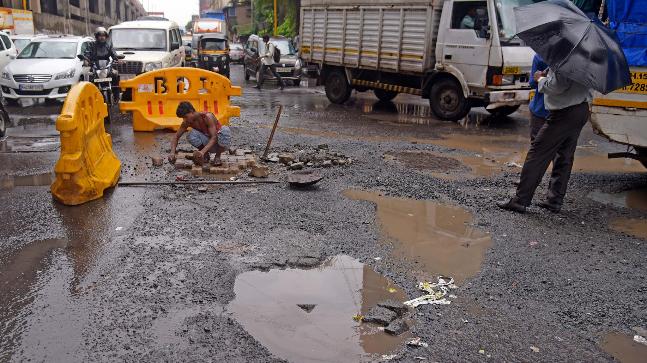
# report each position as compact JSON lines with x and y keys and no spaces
{"x":261,"y":273}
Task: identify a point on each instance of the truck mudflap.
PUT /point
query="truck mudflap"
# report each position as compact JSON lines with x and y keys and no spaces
{"x":496,"y":99}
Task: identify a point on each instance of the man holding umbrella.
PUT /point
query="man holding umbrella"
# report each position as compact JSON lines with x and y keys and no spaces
{"x":582,"y":55}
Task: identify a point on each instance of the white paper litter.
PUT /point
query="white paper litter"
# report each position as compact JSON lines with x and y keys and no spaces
{"x":436,"y":292}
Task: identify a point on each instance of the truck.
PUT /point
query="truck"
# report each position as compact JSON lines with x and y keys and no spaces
{"x":212,"y":22}
{"x":458,"y":54}
{"x":621,"y":116}
{"x":17,"y":21}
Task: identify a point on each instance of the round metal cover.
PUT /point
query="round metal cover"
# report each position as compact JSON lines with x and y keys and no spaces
{"x":304,"y":178}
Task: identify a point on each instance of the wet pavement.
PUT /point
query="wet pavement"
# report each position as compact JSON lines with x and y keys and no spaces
{"x":181,"y":274}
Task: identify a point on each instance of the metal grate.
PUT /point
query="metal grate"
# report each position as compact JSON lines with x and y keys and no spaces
{"x":33,"y":93}
{"x":32,"y":78}
{"x":130,"y":67}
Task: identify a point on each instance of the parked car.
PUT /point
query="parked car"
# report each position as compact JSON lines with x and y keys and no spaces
{"x":21,"y":41}
{"x":8,"y":51}
{"x":236,"y":52}
{"x":289,"y":67}
{"x":46,"y":68}
{"x":148,"y":45}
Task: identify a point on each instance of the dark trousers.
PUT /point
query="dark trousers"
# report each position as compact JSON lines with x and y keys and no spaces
{"x":556,"y":141}
{"x":272,"y":69}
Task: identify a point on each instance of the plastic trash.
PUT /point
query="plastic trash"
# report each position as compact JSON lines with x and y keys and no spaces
{"x":436,"y":292}
{"x":640,"y":339}
{"x":417,"y":342}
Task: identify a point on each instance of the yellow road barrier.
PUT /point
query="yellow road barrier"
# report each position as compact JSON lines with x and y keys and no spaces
{"x":156,"y":95}
{"x":87,"y":166}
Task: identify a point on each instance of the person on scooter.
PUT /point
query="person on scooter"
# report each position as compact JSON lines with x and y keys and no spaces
{"x":100,"y":50}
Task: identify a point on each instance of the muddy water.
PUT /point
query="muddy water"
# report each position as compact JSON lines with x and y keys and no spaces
{"x":322,"y":329}
{"x":436,"y":236}
{"x":623,"y":348}
{"x":631,"y":199}
{"x":634,"y":227}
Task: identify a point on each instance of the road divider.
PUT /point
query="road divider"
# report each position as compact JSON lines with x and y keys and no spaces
{"x":156,"y":95}
{"x":87,"y":165}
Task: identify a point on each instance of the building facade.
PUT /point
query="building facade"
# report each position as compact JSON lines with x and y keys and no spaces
{"x":78,"y":17}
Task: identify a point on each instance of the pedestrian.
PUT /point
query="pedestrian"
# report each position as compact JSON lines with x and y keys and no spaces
{"x":207,"y":135}
{"x":589,"y":7}
{"x":568,"y":111}
{"x":538,"y":112}
{"x":267,"y":62}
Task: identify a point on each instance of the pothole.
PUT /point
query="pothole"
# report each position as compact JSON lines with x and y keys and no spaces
{"x":439,"y":238}
{"x":623,"y":348}
{"x":36,"y":180}
{"x":307,"y":315}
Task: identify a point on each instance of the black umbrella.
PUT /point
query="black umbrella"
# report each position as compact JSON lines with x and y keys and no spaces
{"x":574,"y":45}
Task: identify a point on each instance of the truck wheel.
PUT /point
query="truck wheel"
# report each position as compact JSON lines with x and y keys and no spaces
{"x":384,"y":95}
{"x":337,"y":88}
{"x":447,"y":100}
{"x":503,"y":111}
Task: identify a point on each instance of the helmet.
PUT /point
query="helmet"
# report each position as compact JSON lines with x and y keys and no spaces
{"x":100,"y":31}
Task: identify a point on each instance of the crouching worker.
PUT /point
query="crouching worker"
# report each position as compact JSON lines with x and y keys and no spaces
{"x":207,"y":135}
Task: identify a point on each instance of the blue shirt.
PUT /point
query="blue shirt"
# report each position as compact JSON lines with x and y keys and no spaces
{"x":537,"y":103}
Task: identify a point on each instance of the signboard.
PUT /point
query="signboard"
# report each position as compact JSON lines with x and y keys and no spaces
{"x":208,"y":26}
{"x":17,"y":21}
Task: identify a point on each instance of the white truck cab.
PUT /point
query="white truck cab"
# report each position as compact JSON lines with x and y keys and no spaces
{"x":147,"y":45}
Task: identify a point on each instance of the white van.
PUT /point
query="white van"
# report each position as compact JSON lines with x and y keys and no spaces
{"x":147,"y":45}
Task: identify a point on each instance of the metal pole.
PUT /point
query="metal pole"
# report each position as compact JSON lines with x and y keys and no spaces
{"x":205,"y":182}
{"x":269,"y":142}
{"x":24,"y":4}
{"x":276,"y":20}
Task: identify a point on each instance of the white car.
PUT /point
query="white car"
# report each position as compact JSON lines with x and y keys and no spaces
{"x":21,"y":41}
{"x":147,"y":45}
{"x":8,"y":50}
{"x":47,"y":68}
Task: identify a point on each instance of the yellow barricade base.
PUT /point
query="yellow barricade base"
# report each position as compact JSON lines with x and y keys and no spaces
{"x":87,"y":166}
{"x":156,"y":95}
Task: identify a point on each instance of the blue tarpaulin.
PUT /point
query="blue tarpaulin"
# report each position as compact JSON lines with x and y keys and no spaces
{"x":629,"y":19}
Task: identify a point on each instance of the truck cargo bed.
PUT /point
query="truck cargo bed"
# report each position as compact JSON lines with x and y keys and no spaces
{"x":385,"y":38}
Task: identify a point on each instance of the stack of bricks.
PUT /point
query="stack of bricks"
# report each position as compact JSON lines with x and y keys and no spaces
{"x":231,"y":164}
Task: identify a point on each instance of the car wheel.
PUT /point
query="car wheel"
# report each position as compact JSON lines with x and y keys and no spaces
{"x":642,"y":153}
{"x":384,"y":95}
{"x":337,"y":88}
{"x":447,"y":100}
{"x":296,"y":82}
{"x":503,"y":111}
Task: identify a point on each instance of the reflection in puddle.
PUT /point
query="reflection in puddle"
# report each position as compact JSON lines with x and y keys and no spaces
{"x":634,"y":227}
{"x":623,"y":348}
{"x":306,"y":315}
{"x":38,"y":180}
{"x":30,"y":144}
{"x":632,"y":199}
{"x":436,"y":236}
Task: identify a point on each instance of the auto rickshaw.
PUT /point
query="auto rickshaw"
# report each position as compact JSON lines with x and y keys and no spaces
{"x":213,"y":53}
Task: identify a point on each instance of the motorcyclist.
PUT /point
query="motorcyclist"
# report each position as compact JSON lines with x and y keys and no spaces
{"x":102,"y":49}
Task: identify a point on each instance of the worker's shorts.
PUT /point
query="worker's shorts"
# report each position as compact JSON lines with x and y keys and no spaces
{"x":199,"y":140}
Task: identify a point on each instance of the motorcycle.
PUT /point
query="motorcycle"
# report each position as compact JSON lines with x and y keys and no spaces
{"x":4,"y":118}
{"x":101,"y":75}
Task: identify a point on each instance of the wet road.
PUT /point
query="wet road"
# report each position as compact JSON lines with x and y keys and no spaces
{"x":269,"y":273}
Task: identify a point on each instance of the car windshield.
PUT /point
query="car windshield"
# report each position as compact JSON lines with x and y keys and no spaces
{"x":284,"y":46}
{"x":21,"y":43}
{"x":505,"y":15}
{"x":236,"y":46}
{"x":214,"y":44}
{"x":49,"y":50}
{"x":138,"y":39}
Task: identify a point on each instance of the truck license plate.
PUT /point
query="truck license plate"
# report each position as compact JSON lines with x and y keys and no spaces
{"x":101,"y":80}
{"x":31,"y":87}
{"x":638,"y":84}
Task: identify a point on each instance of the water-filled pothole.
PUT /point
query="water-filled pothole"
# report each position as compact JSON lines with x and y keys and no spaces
{"x":623,"y":348}
{"x":307,"y":315}
{"x":437,"y":237}
{"x":36,"y":180}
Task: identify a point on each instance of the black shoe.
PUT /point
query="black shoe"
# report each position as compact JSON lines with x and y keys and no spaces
{"x":550,"y":207}
{"x":282,"y":87}
{"x":512,"y":205}
{"x":257,"y":87}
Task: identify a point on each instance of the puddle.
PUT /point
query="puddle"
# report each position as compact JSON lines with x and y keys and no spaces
{"x":307,"y":315}
{"x":37,"y":180}
{"x":623,"y":348}
{"x":631,"y":199}
{"x":452,"y":168}
{"x":436,"y":236}
{"x":634,"y":227}
{"x":30,"y":144}
{"x":587,"y":161}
